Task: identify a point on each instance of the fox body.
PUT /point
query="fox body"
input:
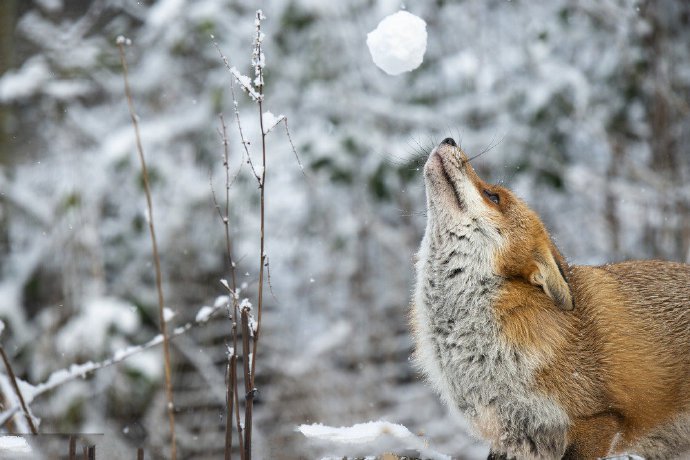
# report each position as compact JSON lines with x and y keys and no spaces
{"x":546,"y":360}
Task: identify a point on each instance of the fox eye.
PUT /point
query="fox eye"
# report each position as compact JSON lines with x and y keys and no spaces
{"x":492,"y":196}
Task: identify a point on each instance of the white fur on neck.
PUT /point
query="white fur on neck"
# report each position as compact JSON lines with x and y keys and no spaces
{"x":459,"y":345}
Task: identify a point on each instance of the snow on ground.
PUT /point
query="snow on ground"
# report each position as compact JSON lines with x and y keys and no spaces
{"x":13,"y":445}
{"x":370,"y":432}
{"x":398,"y":44}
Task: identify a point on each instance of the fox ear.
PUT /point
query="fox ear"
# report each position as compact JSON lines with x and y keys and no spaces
{"x":549,"y":275}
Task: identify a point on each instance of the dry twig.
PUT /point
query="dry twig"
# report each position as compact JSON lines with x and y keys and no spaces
{"x":15,"y":385}
{"x":231,"y":383}
{"x":121,"y":41}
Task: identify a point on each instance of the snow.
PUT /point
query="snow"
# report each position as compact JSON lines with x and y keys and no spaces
{"x":25,"y":82}
{"x":168,"y":314}
{"x":245,"y":303}
{"x":204,"y":314}
{"x":368,"y":432}
{"x":90,"y":328}
{"x":359,"y":433}
{"x":246,"y":83}
{"x":13,"y":444}
{"x":398,"y":44}
{"x":270,"y":121}
{"x":122,"y":40}
{"x":71,"y":122}
{"x":221,"y":301}
{"x":164,"y":12}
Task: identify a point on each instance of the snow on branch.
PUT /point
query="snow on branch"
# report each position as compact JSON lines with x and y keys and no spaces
{"x":76,"y":371}
{"x":271,"y":121}
{"x":370,"y":432}
{"x":244,"y":81}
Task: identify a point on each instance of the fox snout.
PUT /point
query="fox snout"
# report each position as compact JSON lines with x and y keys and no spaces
{"x":444,"y":158}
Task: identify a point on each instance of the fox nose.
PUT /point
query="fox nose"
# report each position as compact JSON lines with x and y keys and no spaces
{"x":450,"y":141}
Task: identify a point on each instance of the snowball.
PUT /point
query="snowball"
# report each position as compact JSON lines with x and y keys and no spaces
{"x":398,"y":44}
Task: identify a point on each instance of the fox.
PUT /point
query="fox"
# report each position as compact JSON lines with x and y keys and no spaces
{"x":544,"y":359}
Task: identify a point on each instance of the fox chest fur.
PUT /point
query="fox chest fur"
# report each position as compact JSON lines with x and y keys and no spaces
{"x":460,"y":348}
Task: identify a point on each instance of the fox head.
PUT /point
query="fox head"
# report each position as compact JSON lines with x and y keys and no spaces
{"x":513,"y":242}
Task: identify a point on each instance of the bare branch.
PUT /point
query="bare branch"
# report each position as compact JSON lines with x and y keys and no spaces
{"x":13,"y":381}
{"x":157,"y":263}
{"x":292,"y":146}
{"x":245,"y":142}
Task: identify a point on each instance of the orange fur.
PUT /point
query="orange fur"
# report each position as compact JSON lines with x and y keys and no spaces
{"x":619,"y":363}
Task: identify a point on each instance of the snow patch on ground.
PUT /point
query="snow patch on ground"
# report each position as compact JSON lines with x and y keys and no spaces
{"x":14,"y":444}
{"x":398,"y":44}
{"x":368,"y":432}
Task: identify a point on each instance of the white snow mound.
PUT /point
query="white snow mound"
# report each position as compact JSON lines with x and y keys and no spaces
{"x":398,"y":44}
{"x":14,"y":444}
{"x":368,"y":432}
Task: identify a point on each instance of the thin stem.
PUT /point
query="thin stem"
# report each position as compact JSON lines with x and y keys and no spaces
{"x":237,"y":401}
{"x":15,"y":385}
{"x":229,"y":401}
{"x":226,"y":217}
{"x":156,"y":257}
{"x":249,"y":395}
{"x":232,"y":373}
{"x":245,"y":142}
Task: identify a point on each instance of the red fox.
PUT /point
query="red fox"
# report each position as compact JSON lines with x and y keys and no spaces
{"x":546,"y":360}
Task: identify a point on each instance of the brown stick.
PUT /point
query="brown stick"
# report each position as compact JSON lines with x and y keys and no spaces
{"x":237,"y":396}
{"x":156,"y":257}
{"x":229,"y":401}
{"x":249,"y":394}
{"x":140,"y":453}
{"x":232,"y":373}
{"x":262,"y":256}
{"x":15,"y":385}
{"x":72,"y":448}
